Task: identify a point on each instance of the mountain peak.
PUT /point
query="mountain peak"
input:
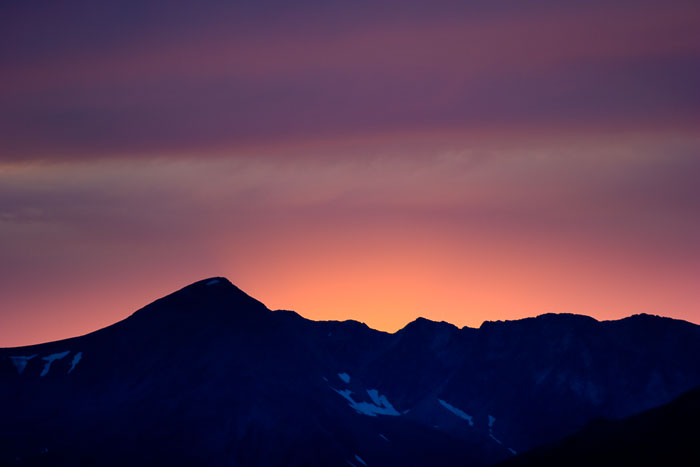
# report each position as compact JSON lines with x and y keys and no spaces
{"x":551,"y":319}
{"x":218,"y":281}
{"x":213,"y":297}
{"x":426,"y":324}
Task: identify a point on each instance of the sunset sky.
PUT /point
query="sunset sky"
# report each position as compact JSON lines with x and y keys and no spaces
{"x":379,"y":161}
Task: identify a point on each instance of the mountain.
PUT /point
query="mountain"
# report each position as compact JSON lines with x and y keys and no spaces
{"x":210,"y":376}
{"x":666,"y":435}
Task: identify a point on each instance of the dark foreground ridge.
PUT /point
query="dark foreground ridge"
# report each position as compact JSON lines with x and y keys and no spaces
{"x":209,"y":376}
{"x":666,"y":435}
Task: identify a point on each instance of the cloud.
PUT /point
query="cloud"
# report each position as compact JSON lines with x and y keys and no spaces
{"x":214,"y":81}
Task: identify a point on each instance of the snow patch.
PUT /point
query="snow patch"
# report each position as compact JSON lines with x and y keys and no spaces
{"x":50,"y":359}
{"x":21,"y":362}
{"x":344,"y":377}
{"x":380,"y":405}
{"x":456,"y":411}
{"x":212,"y":282}
{"x":512,"y":451}
{"x":359,"y":459}
{"x":374,"y":395}
{"x":383,"y":437}
{"x":76,"y":359}
{"x":324,"y":379}
{"x":492,"y":420}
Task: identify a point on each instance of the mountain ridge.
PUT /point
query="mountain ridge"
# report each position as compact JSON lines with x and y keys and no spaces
{"x":210,"y":375}
{"x":664,"y":435}
{"x":420,"y":321}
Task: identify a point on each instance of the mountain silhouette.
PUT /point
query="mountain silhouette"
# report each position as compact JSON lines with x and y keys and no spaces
{"x":209,"y":376}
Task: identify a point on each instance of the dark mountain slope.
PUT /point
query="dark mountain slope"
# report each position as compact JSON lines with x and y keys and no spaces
{"x":210,"y":376}
{"x":666,"y":435}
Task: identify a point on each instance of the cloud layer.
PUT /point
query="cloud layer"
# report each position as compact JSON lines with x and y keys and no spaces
{"x":142,"y":78}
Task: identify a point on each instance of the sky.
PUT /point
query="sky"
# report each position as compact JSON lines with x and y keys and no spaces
{"x":378,"y":161}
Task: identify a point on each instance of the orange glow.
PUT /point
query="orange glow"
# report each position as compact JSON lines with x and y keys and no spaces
{"x":385,"y":278}
{"x":458,"y":237}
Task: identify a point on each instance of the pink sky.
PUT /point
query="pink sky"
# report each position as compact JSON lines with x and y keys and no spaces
{"x":374,"y":161}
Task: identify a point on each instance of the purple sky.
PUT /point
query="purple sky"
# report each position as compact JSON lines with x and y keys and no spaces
{"x":369,"y":160}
